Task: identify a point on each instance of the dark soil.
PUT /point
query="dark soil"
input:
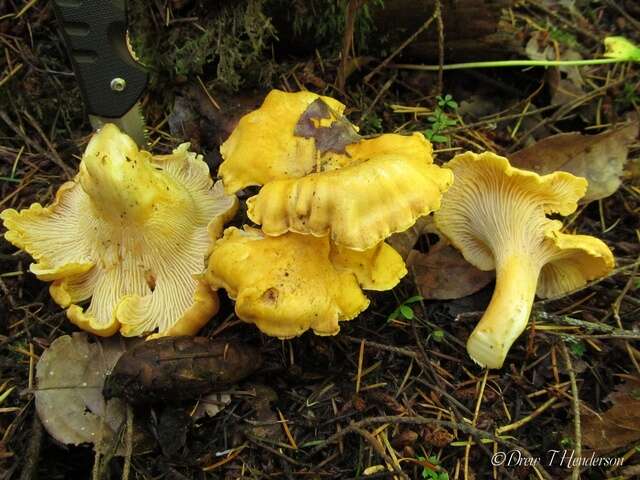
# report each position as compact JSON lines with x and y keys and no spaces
{"x":400,"y":393}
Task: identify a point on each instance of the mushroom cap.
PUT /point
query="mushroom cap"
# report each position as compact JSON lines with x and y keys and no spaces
{"x":378,"y":187}
{"x":493,"y":208}
{"x":263,"y":147}
{"x":573,"y":261}
{"x":288,"y":284}
{"x":131,"y":232}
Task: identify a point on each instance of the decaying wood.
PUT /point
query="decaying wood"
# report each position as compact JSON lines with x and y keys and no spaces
{"x":473,"y":29}
{"x":177,"y":368}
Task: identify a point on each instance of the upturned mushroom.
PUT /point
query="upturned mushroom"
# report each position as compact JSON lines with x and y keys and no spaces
{"x":288,"y":284}
{"x":130,"y":231}
{"x":496,"y":216}
{"x":321,"y":178}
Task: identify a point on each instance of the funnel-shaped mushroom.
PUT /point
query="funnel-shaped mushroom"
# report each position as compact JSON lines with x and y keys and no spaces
{"x":291,"y":283}
{"x":130,"y":231}
{"x":496,"y":215}
{"x":263,"y":147}
{"x":321,"y":178}
{"x":382,"y":186}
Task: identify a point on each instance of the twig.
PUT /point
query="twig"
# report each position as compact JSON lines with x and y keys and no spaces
{"x":360,"y":361}
{"x":380,"y":451}
{"x":258,"y":443}
{"x":576,"y":410}
{"x":387,"y":348}
{"x":624,"y":13}
{"x":476,"y":412}
{"x":402,"y":46}
{"x":32,"y":456}
{"x":438,"y":14}
{"x":55,"y":158}
{"x":528,"y":418}
{"x":381,"y":92}
{"x":616,"y":311}
{"x":128,"y":446}
{"x":347,"y":41}
{"x":564,"y":110}
{"x":397,"y":420}
{"x":610,"y":332}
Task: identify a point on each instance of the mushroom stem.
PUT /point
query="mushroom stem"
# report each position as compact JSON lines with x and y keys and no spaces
{"x":508,"y":312}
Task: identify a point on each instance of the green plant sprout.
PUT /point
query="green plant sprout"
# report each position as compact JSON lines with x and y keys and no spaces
{"x":437,"y":335}
{"x":404,"y":310}
{"x":618,"y":49}
{"x":567,"y":442}
{"x":440,"y":121}
{"x":430,"y":473}
{"x":575,"y":346}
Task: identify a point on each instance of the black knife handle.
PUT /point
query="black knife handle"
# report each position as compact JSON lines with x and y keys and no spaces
{"x":95,"y":32}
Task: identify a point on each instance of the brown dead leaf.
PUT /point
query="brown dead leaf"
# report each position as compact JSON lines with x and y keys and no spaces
{"x":617,"y":427}
{"x":69,"y":399}
{"x":333,"y":138}
{"x":444,"y":274}
{"x":403,"y":242}
{"x":599,"y":158}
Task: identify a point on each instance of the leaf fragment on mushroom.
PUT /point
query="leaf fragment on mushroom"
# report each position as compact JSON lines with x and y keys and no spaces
{"x":334,"y":137}
{"x":598,"y":158}
{"x":69,"y":401}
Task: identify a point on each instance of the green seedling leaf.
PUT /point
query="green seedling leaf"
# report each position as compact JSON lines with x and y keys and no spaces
{"x":6,"y":394}
{"x":414,"y":299}
{"x":438,"y":335}
{"x":577,"y":348}
{"x":335,"y":137}
{"x":439,"y":139}
{"x":621,"y":49}
{"x":406,"y":312}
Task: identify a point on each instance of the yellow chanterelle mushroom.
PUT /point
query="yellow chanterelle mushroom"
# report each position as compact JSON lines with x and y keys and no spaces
{"x":292,"y":283}
{"x":496,"y":215}
{"x":321,"y":178}
{"x":131,"y":232}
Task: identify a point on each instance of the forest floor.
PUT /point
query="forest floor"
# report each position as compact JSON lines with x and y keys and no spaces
{"x":394,"y":394}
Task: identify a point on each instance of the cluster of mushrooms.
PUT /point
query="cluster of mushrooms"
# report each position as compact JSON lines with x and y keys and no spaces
{"x":135,"y":242}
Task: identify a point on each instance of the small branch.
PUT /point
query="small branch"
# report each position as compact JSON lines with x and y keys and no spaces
{"x":438,"y":14}
{"x":347,"y":41}
{"x":576,"y":410}
{"x":32,"y":456}
{"x":380,"y":450}
{"x":402,"y":46}
{"x":507,"y":63}
{"x":397,"y":420}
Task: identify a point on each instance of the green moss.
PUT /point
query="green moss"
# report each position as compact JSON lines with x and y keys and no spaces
{"x":323,"y":22}
{"x":231,"y":44}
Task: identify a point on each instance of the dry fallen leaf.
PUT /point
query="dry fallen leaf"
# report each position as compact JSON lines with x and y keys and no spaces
{"x":563,"y":90}
{"x":403,"y":242}
{"x":69,"y":399}
{"x":444,"y":274}
{"x":617,"y":427}
{"x":333,"y":138}
{"x":599,"y":158}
